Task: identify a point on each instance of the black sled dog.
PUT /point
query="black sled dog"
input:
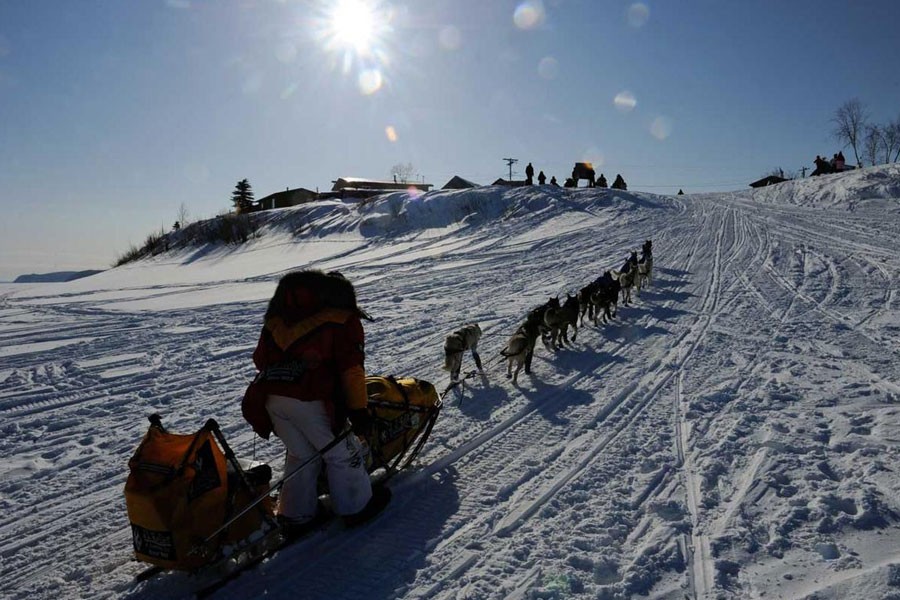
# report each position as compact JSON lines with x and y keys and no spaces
{"x":558,"y":320}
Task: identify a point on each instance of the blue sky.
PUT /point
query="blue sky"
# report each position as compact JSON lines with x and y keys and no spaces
{"x":114,"y":114}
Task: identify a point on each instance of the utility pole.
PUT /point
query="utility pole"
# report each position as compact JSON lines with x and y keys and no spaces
{"x":510,"y":162}
{"x":803,"y":171}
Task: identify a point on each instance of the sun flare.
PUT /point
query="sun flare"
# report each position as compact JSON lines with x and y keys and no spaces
{"x":357,"y":27}
{"x":356,"y":34}
{"x":352,"y":23}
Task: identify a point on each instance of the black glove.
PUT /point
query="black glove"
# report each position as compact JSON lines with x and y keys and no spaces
{"x":361,"y":421}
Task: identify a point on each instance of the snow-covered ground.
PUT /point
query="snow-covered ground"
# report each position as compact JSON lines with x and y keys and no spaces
{"x":733,"y":434}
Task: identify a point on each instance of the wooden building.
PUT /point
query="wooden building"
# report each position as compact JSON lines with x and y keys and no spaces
{"x":512,"y":183}
{"x":767,"y":180}
{"x":287,"y":198}
{"x":458,"y":183}
{"x":364,"y":188}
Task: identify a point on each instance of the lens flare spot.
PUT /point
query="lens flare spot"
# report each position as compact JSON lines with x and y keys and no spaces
{"x":370,"y":81}
{"x":548,"y":68}
{"x":450,"y":38}
{"x":594,"y":156}
{"x":638,"y":14}
{"x":289,"y":90}
{"x":391,"y":133}
{"x":529,"y":15}
{"x":625,"y":101}
{"x":661,"y":128}
{"x":286,"y":52}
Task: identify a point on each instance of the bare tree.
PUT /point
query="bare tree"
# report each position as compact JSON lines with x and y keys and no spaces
{"x":403,"y":172}
{"x":871,"y":143}
{"x":183,"y":215}
{"x":891,"y":139}
{"x":850,"y":125}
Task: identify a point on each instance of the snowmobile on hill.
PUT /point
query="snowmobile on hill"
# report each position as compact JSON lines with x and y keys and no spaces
{"x":194,"y":507}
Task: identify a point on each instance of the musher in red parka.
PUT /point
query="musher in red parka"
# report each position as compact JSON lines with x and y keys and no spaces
{"x":310,"y":356}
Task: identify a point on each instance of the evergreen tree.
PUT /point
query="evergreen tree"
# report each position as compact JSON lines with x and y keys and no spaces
{"x":242,"y":197}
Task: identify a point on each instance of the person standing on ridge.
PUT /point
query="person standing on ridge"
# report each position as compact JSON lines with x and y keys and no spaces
{"x":529,"y":174}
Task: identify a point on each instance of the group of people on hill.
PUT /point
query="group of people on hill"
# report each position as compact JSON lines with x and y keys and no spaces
{"x":835,"y":165}
{"x":542,"y":179}
{"x":618,"y":183}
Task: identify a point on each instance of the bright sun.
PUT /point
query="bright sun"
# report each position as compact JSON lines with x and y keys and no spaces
{"x":353,"y":24}
{"x":356,"y":33}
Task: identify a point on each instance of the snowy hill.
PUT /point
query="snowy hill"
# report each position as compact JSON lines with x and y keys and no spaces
{"x":732,"y":434}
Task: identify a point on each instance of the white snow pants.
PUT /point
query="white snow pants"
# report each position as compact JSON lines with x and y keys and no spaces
{"x":304,"y":427}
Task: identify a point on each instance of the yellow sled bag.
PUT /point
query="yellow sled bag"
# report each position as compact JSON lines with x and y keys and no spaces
{"x":181,"y":489}
{"x":404,"y":410}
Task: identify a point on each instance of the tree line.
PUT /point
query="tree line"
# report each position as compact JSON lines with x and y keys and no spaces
{"x":878,"y":143}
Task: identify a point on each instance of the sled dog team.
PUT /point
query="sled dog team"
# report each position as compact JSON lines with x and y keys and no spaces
{"x":552,"y":320}
{"x":310,"y":384}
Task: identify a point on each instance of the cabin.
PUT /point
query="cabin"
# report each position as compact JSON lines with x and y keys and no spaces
{"x":358,"y":187}
{"x":512,"y":183}
{"x":458,"y":183}
{"x":767,"y":181}
{"x":287,"y":198}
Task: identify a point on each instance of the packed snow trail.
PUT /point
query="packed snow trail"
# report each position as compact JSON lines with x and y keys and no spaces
{"x":727,"y":434}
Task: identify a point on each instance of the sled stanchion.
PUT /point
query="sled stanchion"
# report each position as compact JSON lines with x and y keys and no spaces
{"x":275,"y":486}
{"x":431,"y":421}
{"x":403,"y":408}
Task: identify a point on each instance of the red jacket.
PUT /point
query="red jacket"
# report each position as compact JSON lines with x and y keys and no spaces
{"x":318,"y":358}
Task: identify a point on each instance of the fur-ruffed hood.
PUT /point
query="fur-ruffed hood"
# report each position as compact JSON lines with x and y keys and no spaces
{"x":285,"y":335}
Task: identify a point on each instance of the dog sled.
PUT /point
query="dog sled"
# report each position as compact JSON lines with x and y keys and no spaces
{"x":182,"y":488}
{"x":404,"y":411}
{"x":193,"y":507}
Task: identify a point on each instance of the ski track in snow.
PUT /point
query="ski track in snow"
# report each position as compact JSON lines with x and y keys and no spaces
{"x":730,"y":434}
